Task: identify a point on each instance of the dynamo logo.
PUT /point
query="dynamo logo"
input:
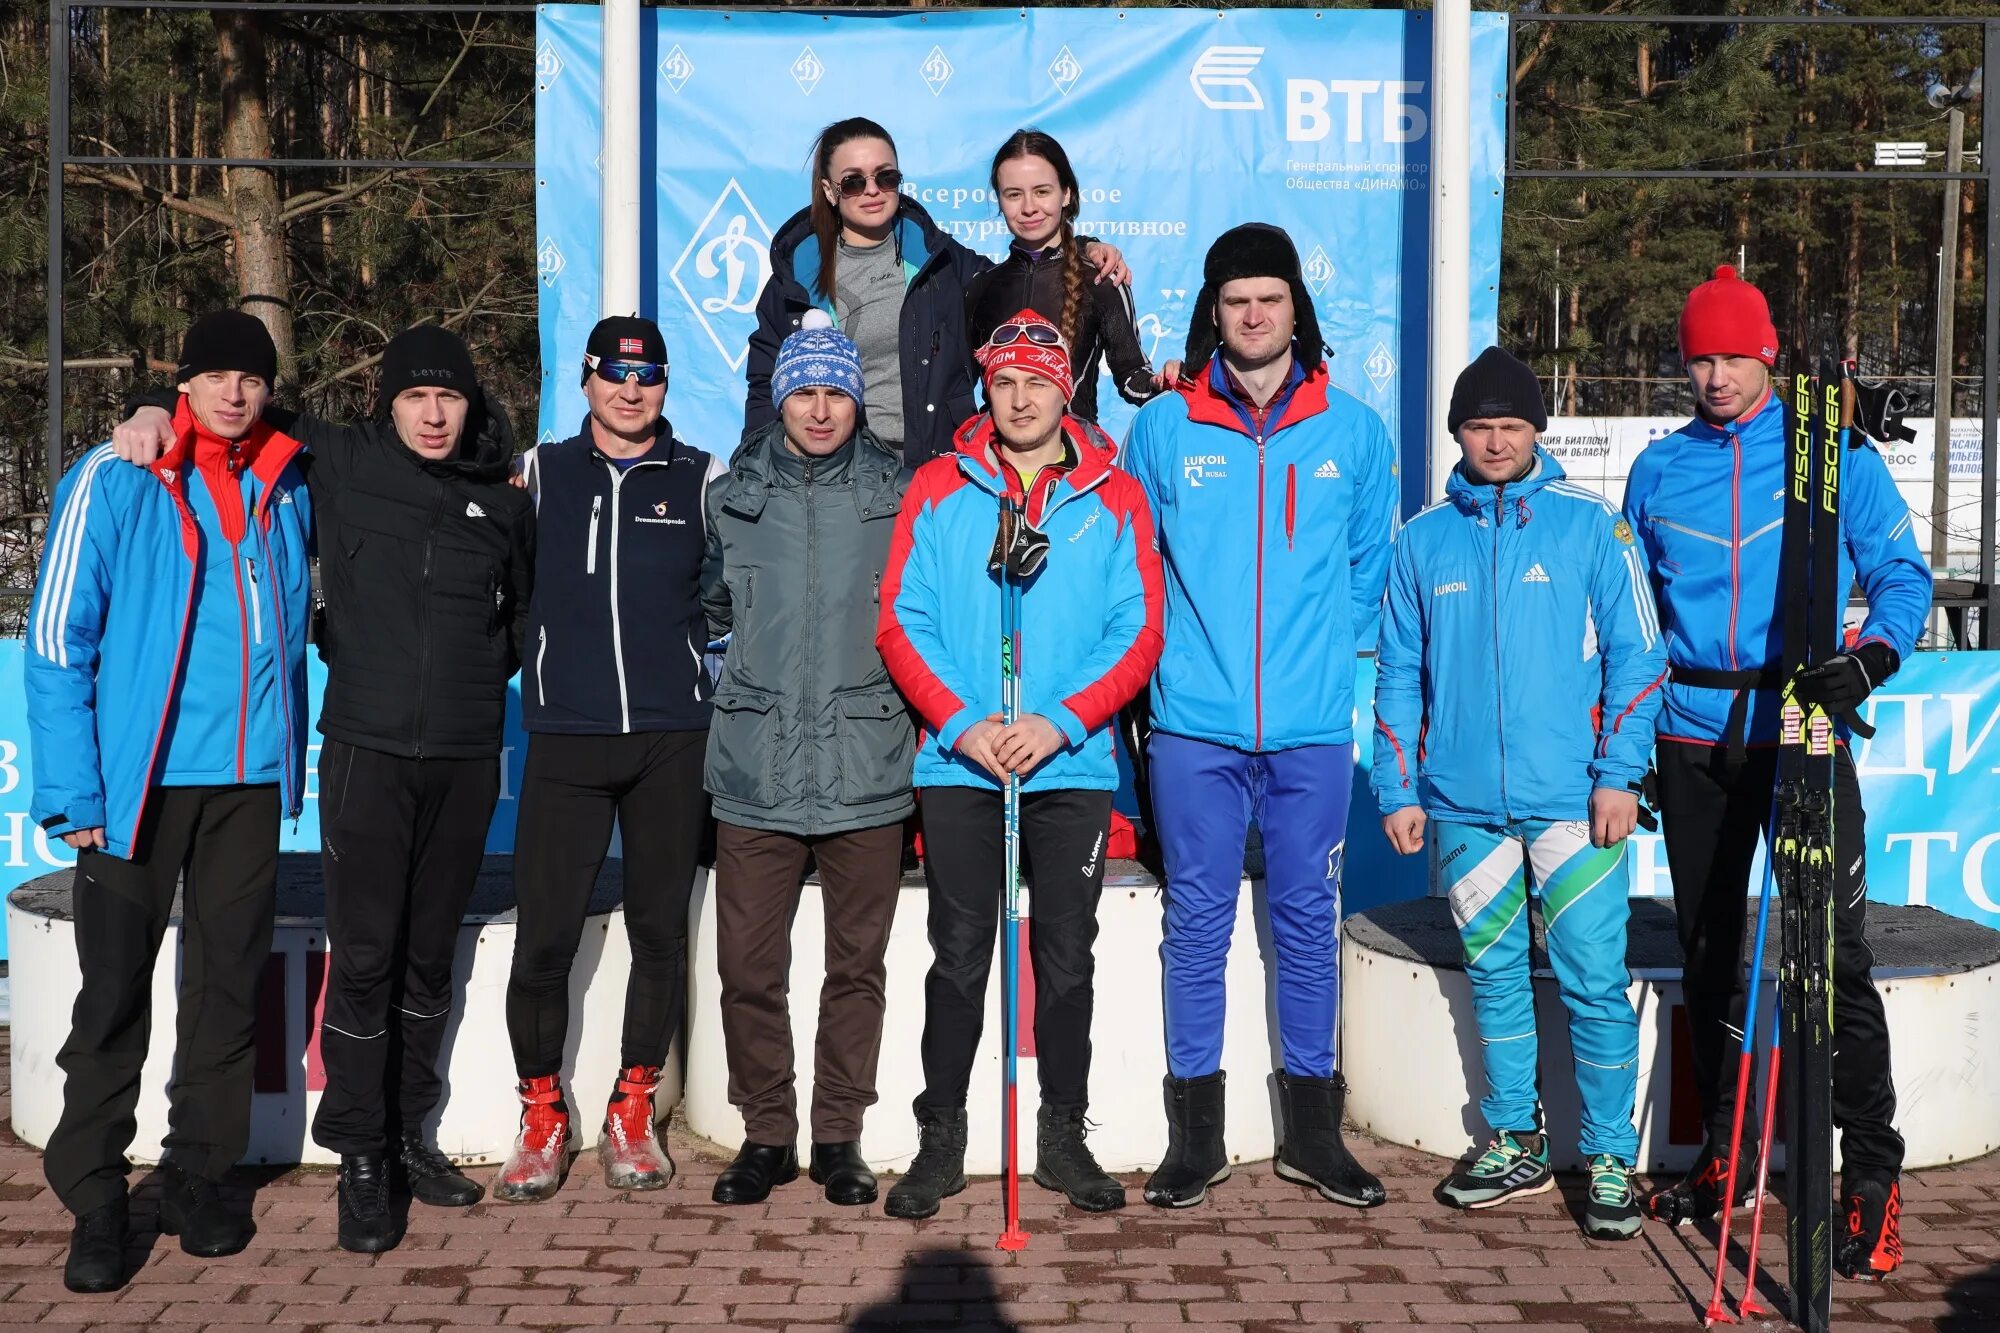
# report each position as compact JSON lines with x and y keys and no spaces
{"x":1221,"y":78}
{"x":936,"y":70}
{"x":676,"y":69}
{"x":723,"y":270}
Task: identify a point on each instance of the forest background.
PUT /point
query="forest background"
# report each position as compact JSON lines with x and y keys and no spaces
{"x":1593,"y":272}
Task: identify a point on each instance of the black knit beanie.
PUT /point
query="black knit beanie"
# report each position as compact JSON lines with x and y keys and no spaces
{"x":1496,"y":384}
{"x":1253,"y":250}
{"x":425,"y":356}
{"x":227,"y":340}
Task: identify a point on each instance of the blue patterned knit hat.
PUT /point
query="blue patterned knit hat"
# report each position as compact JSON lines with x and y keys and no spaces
{"x":818,"y":354}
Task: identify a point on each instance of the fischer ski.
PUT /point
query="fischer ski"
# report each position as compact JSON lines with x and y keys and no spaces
{"x":1812,"y":605}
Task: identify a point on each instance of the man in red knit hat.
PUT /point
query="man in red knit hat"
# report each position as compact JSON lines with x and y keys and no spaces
{"x":1715,"y":574}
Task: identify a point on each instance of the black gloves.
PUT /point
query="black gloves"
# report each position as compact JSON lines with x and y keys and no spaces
{"x":1840,"y":684}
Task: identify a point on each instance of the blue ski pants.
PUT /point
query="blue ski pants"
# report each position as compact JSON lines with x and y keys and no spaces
{"x":1490,"y":871}
{"x":1205,"y":797}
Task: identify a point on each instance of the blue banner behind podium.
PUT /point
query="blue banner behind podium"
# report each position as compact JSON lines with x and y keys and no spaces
{"x":1181,"y":123}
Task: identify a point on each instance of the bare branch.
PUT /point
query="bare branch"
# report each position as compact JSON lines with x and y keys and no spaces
{"x":132,"y":185}
{"x":366,"y":363}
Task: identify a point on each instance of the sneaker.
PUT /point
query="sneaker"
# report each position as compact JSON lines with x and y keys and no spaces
{"x":1697,"y":1196}
{"x":1513,"y":1166}
{"x":1611,"y":1211}
{"x":1873,"y":1246}
{"x":431,"y":1178}
{"x":367,"y":1215}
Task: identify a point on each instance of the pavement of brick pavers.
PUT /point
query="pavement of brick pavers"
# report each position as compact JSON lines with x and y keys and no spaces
{"x":1259,"y":1257}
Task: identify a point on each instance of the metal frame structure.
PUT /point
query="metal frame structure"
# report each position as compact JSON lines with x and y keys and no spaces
{"x":1985,"y":593}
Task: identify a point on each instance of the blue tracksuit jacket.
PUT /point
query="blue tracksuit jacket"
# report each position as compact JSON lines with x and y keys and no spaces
{"x":1707,"y":504}
{"x":1521,"y":660}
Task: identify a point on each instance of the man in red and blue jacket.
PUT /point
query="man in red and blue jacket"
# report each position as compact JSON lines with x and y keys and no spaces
{"x":165,"y":681}
{"x":1707,"y":504}
{"x":1275,"y":496}
{"x":1088,"y":638}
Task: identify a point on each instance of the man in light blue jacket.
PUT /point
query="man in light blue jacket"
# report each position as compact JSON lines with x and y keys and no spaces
{"x":1520,"y":666}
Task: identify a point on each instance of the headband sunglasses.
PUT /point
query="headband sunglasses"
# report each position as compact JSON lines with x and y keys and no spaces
{"x":1042,"y":335}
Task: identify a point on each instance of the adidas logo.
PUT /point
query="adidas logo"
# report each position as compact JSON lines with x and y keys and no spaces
{"x":472,"y":509}
{"x":1328,"y":470}
{"x":1536,"y":575}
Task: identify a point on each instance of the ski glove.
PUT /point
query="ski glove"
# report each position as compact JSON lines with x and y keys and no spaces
{"x":1840,"y":684}
{"x":1018,"y":547}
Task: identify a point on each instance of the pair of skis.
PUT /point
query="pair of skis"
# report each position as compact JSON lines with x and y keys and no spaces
{"x":1012,"y":522}
{"x":1819,"y":408}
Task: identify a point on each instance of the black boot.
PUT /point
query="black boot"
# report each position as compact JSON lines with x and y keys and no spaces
{"x":192,"y":1208}
{"x":432,"y":1179}
{"x":367,"y":1222}
{"x":1196,"y":1157}
{"x":758,"y":1168}
{"x":97,"y":1248}
{"x":938,"y":1171}
{"x":1313,"y":1154}
{"x":1063,"y":1162}
{"x":844,"y":1172}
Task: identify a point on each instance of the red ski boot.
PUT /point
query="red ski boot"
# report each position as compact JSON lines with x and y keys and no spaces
{"x":633,"y":1158}
{"x":534,"y":1170}
{"x":1873,"y":1246}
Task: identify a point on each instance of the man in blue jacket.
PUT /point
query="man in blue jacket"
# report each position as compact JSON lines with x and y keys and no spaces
{"x":166,"y":695}
{"x":1519,"y":643}
{"x":1275,"y":498}
{"x":1707,"y":506}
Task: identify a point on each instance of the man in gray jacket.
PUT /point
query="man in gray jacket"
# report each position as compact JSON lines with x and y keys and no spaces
{"x":808,"y":755}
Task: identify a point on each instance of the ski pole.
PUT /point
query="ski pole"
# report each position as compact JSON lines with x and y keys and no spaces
{"x":1012,"y":1237}
{"x":1773,"y":1055}
{"x":1717,"y":1312}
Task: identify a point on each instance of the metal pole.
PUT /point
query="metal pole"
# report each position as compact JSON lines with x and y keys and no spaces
{"x":618,"y":293}
{"x":1451,"y":226}
{"x":1989,"y":394}
{"x":58,"y":152}
{"x":1954,"y":153}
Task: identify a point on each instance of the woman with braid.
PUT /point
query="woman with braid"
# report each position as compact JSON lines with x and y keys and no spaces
{"x":1048,"y":272}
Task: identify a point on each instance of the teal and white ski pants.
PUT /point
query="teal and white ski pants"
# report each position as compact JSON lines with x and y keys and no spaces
{"x":1490,"y":869}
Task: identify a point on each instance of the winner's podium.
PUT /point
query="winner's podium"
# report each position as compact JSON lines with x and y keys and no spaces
{"x":480,"y":1113}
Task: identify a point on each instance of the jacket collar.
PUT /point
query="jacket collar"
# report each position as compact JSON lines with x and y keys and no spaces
{"x":266,"y":450}
{"x":663,"y":434}
{"x":796,"y":249}
{"x":1474,"y":497}
{"x":978,"y":450}
{"x":873,"y":473}
{"x":1212,"y":402}
{"x":1766,"y":410}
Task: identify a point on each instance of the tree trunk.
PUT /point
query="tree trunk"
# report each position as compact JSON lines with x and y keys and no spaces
{"x":263,"y":273}
{"x":1850,"y":332}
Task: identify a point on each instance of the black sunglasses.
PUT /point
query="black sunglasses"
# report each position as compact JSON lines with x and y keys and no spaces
{"x":855,"y":184}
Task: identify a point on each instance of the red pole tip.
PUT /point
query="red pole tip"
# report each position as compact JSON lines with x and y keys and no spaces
{"x":1014,"y":1240}
{"x":1718,"y":1313}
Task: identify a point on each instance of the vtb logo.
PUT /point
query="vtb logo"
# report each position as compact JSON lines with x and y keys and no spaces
{"x":1221,"y":78}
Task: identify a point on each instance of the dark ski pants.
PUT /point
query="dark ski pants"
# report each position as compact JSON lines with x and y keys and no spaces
{"x":572,"y":788}
{"x":226,"y":840}
{"x":759,"y":875}
{"x":1711,"y":815}
{"x":401,"y":842}
{"x":1062,"y":854}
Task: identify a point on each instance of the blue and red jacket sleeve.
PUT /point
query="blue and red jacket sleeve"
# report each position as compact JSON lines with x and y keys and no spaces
{"x":1633,"y":652}
{"x":1888,"y":563}
{"x":1371,"y":528}
{"x":1129,"y":647}
{"x":1399,"y":685}
{"x":913,"y":588}
{"x":65,"y":624}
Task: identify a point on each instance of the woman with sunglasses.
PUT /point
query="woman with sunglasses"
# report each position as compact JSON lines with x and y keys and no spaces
{"x":892,"y":280}
{"x":616,"y":702}
{"x":1047,"y":271}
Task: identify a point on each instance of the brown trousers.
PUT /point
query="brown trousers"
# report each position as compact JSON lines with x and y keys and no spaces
{"x":758,"y":879}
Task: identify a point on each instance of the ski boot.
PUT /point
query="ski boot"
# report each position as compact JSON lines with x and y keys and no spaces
{"x":534,"y":1170}
{"x":632,"y":1156}
{"x":1514,"y":1166}
{"x":1697,"y":1196}
{"x":1313,"y":1153}
{"x":1196,"y":1156}
{"x":1873,"y":1246}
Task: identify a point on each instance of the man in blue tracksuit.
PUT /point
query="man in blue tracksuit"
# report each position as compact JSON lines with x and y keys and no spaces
{"x":1275,"y":498}
{"x":1707,"y":506}
{"x":165,"y":681}
{"x":1520,"y":667}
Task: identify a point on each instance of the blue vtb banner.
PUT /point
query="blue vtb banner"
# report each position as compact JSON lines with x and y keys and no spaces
{"x":1181,"y":123}
{"x":1927,"y":777}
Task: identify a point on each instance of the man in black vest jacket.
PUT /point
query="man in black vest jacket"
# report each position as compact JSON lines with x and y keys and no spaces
{"x":426,"y":557}
{"x":615,"y":698}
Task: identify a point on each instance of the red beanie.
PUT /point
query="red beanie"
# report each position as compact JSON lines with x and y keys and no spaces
{"x":1726,"y":316}
{"x":1031,"y":341}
